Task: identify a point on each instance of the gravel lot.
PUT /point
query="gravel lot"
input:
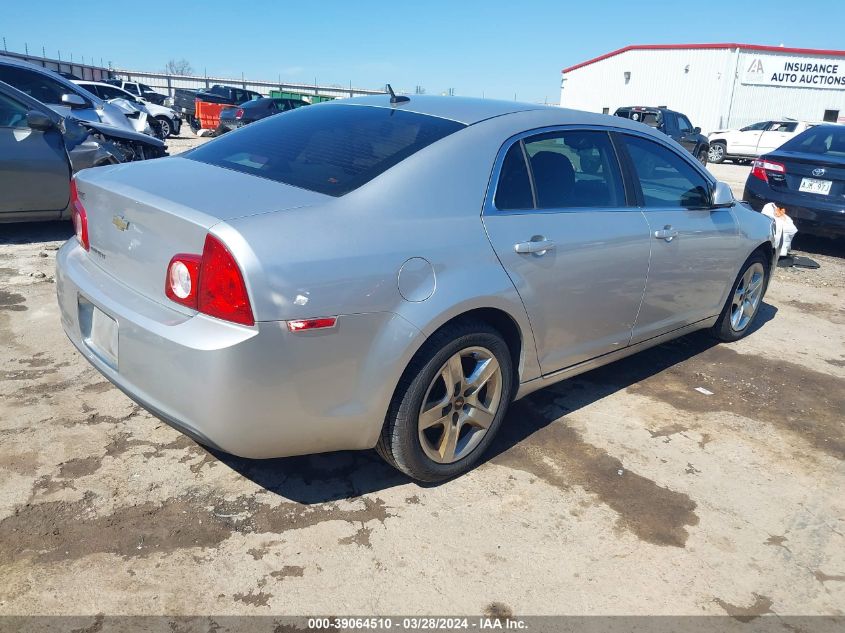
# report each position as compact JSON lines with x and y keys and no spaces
{"x":620,"y":491}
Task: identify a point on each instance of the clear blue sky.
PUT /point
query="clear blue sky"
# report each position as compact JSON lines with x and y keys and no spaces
{"x":493,"y":48}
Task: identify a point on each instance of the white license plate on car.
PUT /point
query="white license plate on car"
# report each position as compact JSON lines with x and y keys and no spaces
{"x":812,"y":185}
{"x":99,"y":332}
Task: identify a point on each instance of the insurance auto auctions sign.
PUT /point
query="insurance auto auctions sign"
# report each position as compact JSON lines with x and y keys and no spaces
{"x":797,"y":72}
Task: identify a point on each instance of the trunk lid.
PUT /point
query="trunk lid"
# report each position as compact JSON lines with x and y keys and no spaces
{"x":142,"y":214}
{"x":813,"y":166}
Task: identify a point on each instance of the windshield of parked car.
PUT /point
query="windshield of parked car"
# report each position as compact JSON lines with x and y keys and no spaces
{"x":331,"y":149}
{"x":827,"y":140}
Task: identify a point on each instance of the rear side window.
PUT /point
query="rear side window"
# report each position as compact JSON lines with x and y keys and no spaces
{"x":514,"y":189}
{"x":36,"y":85}
{"x":666,"y":179}
{"x":575,"y":169}
{"x":332,"y":149}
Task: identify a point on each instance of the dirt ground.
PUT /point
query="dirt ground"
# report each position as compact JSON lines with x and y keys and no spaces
{"x":623,"y":491}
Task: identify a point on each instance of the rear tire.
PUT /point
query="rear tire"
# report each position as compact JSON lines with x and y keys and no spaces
{"x":449,"y":403}
{"x":744,"y":300}
{"x":717,"y":152}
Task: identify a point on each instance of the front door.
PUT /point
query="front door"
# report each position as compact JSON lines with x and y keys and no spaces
{"x":34,"y":168}
{"x":574,"y":248}
{"x":693,"y":246}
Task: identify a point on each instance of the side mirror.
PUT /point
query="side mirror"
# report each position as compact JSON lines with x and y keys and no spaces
{"x":39,"y":121}
{"x":722,"y":196}
{"x":697,"y":130}
{"x":73,"y":100}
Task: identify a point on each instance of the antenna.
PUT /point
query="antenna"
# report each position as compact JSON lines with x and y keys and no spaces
{"x":394,"y":98}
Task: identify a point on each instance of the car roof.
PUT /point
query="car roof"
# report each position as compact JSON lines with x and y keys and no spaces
{"x":465,"y":110}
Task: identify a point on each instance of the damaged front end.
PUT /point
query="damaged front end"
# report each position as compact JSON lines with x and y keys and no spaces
{"x":94,"y":144}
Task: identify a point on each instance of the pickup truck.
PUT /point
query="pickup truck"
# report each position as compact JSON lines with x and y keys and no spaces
{"x":753,"y":140}
{"x":671,"y":123}
{"x":185,"y":99}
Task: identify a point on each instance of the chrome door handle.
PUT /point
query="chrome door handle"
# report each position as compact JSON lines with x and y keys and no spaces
{"x":537,"y":246}
{"x":666,"y":233}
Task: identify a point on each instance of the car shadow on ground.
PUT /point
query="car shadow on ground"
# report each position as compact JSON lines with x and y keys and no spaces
{"x":334,"y":476}
{"x":35,"y":232}
{"x":819,"y":245}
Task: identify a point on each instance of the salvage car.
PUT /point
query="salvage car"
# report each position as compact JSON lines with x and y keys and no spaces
{"x":142,"y":91}
{"x":806,"y":175}
{"x":40,"y":150}
{"x":169,"y":121}
{"x":392,"y":272}
{"x":62,"y":95}
{"x":753,"y":140}
{"x":252,"y":111}
{"x":672,"y":124}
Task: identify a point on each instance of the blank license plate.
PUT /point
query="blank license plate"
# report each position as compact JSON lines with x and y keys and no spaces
{"x":99,"y":332}
{"x":811,"y":185}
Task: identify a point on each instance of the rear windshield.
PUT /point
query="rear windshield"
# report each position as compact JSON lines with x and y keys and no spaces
{"x":824,"y":139}
{"x":332,"y":149}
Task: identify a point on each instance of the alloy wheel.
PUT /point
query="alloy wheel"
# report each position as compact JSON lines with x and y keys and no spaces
{"x":716,"y":153}
{"x":747,"y":297}
{"x":165,"y":128}
{"x":460,"y":404}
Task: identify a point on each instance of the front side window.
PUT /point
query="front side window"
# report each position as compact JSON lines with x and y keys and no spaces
{"x":756,"y":127}
{"x":12,"y":113}
{"x":331,"y":149}
{"x":666,"y":179}
{"x":684,"y":126}
{"x":575,"y":169}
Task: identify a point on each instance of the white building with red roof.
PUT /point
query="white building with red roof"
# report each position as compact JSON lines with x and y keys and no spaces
{"x":715,"y":85}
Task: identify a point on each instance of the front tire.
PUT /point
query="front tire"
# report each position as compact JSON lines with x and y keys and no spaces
{"x":717,"y":152}
{"x":166,"y":126}
{"x":702,"y":156}
{"x":744,"y":300}
{"x":449,"y":404}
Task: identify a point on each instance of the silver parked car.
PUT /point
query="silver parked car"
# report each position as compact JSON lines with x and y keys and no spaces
{"x":392,"y":273}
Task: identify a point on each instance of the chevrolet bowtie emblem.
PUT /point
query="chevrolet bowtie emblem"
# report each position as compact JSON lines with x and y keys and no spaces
{"x":120,"y":222}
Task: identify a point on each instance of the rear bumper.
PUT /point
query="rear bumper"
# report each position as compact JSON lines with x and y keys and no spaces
{"x":810,"y":216}
{"x":255,"y":392}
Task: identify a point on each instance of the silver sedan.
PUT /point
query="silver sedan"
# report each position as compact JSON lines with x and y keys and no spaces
{"x":392,"y":273}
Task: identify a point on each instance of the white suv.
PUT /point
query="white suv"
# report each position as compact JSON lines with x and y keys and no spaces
{"x":753,"y":140}
{"x":167,"y":119}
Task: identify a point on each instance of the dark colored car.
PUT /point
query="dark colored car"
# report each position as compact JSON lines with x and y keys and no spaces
{"x":807,"y":176}
{"x":233,"y":118}
{"x":40,"y":149}
{"x":672,"y":124}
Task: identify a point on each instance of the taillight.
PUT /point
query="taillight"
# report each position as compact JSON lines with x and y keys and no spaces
{"x":183,"y":277}
{"x":79,"y":217}
{"x":760,"y":167}
{"x":239,"y":113}
{"x":211,"y":283}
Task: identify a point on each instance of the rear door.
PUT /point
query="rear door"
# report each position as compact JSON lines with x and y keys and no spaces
{"x":693,"y":246}
{"x":34,"y":168}
{"x":576,"y":250}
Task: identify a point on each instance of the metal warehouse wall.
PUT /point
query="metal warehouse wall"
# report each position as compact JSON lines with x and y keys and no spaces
{"x":755,"y":103}
{"x":695,"y":82}
{"x":705,"y":84}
